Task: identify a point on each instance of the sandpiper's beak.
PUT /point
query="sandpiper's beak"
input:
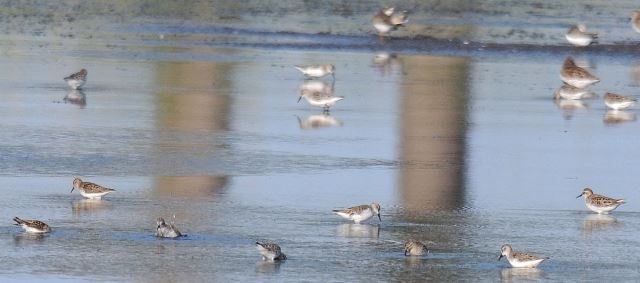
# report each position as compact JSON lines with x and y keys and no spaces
{"x":299,"y":98}
{"x":580,"y":195}
{"x":405,"y":252}
{"x":72,"y":189}
{"x":379,"y":217}
{"x":500,"y":257}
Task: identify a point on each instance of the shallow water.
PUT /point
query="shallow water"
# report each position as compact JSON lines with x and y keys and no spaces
{"x":464,"y":153}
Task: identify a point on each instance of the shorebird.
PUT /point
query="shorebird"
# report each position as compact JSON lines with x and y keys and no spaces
{"x":635,"y":20}
{"x":576,"y":76}
{"x":413,"y":247}
{"x":360,"y":213}
{"x":32,"y":226}
{"x":598,"y":203}
{"x":166,"y":231}
{"x":319,"y":98}
{"x":578,"y":35}
{"x":617,"y":101}
{"x":570,"y":92}
{"x":517,"y":259}
{"x":90,"y":190}
{"x":77,"y":80}
{"x":386,"y":20}
{"x":317,"y":71}
{"x":270,"y":251}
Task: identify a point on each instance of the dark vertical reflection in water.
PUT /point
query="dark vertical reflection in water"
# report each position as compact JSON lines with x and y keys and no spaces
{"x":432,"y":134}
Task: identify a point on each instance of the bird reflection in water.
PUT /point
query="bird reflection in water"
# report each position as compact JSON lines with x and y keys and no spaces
{"x":318,"y":93}
{"x":569,"y":107}
{"x":618,"y":116}
{"x":76,"y":97}
{"x":89,"y":206}
{"x":520,"y":274}
{"x":352,"y":230}
{"x":386,"y":62}
{"x":24,"y":239}
{"x":267,"y":266}
{"x":323,"y":120}
{"x":599,"y":222}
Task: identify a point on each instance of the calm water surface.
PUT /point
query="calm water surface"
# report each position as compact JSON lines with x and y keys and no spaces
{"x":464,"y":153}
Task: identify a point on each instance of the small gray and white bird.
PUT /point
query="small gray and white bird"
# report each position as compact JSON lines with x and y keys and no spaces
{"x":90,"y":190}
{"x":617,"y":101}
{"x":578,"y":36}
{"x":32,"y":226}
{"x":77,"y":80}
{"x":270,"y":251}
{"x":518,"y":259}
{"x":387,"y":20}
{"x":413,"y":247}
{"x":317,"y":71}
{"x":598,"y":203}
{"x":165,"y":230}
{"x":360,"y":213}
{"x":576,"y":76}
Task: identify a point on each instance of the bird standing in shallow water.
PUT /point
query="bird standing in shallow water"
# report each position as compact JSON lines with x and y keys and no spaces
{"x":270,"y":251}
{"x":90,"y":190}
{"x":32,"y":226}
{"x":77,"y":80}
{"x":576,"y":76}
{"x":317,"y":71}
{"x":360,"y":213}
{"x":166,"y":231}
{"x":617,"y":101}
{"x":387,"y":20}
{"x":517,"y":259}
{"x":598,"y":203}
{"x":578,"y":36}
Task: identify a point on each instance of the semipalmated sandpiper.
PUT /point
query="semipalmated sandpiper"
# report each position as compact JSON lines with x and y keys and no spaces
{"x":360,"y":213}
{"x":270,"y":251}
{"x":317,"y":71}
{"x":90,"y":190}
{"x":598,"y":203}
{"x":77,"y":80}
{"x":413,"y":247}
{"x":578,"y":35}
{"x":617,"y":101}
{"x":387,"y":20}
{"x":32,"y":226}
{"x":518,"y":259}
{"x":576,"y":76}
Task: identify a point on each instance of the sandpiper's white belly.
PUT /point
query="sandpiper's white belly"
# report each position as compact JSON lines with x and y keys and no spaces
{"x":324,"y":102}
{"x":32,"y":230}
{"x":382,"y":27}
{"x":363,"y":216}
{"x":528,"y":264}
{"x":579,"y":40}
{"x":93,"y":195}
{"x":619,"y":105}
{"x":75,"y":84}
{"x":601,"y":209}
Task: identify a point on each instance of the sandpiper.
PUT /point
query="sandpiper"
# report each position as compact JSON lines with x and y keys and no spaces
{"x":387,"y":20}
{"x":570,"y":92}
{"x":166,"y":231}
{"x":635,"y":20}
{"x":77,"y":80}
{"x":617,"y":101}
{"x":317,"y":71}
{"x":360,"y":213}
{"x":32,"y":226}
{"x":413,"y":247}
{"x":598,"y":203}
{"x":578,"y":35}
{"x":320,"y":99}
{"x":576,"y":76}
{"x":90,"y":190}
{"x":270,"y":251}
{"x":517,"y":259}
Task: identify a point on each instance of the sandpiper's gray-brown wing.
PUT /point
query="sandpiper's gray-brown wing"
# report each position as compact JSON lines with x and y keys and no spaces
{"x":618,"y":98}
{"x":270,"y":247}
{"x":577,"y":72}
{"x":91,"y":188}
{"x":77,"y":76}
{"x":599,"y":200}
{"x":525,"y":257}
{"x":354,"y":210}
{"x":36,"y":224}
